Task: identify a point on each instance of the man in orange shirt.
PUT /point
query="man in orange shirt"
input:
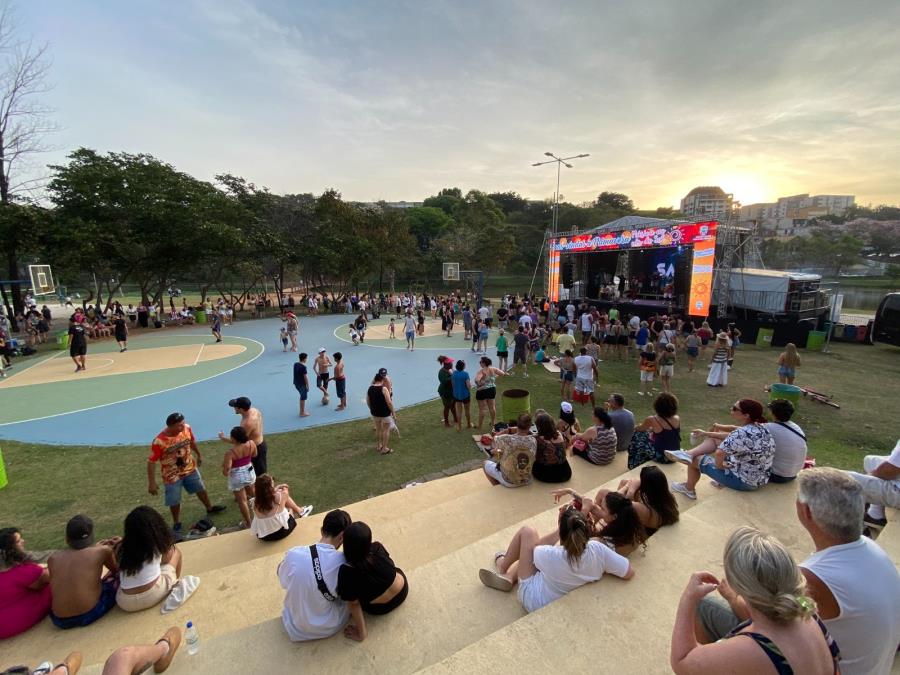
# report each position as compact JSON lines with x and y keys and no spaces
{"x":174,"y":448}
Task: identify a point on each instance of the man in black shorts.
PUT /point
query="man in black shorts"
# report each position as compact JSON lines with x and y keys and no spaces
{"x":320,"y":368}
{"x":77,"y":344}
{"x":520,"y":340}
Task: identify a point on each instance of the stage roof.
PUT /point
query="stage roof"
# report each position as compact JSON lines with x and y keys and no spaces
{"x":631,"y":222}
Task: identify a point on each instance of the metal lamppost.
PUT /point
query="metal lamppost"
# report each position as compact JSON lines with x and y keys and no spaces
{"x":559,"y":164}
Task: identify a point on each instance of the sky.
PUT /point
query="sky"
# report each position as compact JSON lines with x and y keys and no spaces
{"x":396,"y":100}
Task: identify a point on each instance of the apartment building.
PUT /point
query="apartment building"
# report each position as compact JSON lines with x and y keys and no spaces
{"x":707,"y":202}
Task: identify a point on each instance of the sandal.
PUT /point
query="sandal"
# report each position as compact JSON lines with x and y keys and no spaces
{"x":385,"y":451}
{"x":495,"y":580}
{"x":497,"y":556}
{"x":171,"y":637}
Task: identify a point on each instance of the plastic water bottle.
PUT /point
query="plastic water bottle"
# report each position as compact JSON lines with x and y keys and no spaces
{"x":192,"y":638}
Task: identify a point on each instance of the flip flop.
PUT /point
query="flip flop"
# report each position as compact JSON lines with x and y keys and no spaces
{"x":172,"y":637}
{"x":495,"y":580}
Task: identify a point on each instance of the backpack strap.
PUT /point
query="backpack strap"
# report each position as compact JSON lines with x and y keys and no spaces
{"x":317,"y":570}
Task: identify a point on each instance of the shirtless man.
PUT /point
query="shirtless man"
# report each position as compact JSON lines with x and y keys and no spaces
{"x":81,"y":593}
{"x":252,"y":423}
{"x":340,"y":381}
{"x":320,"y":368}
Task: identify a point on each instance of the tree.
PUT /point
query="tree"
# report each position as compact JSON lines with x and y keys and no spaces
{"x":23,"y":124}
{"x":615,"y":200}
{"x":446,"y":200}
{"x":427,"y":223}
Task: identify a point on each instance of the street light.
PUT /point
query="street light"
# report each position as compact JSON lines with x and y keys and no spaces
{"x":560,"y":161}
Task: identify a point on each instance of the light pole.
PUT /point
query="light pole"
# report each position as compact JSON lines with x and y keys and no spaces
{"x":559,"y":164}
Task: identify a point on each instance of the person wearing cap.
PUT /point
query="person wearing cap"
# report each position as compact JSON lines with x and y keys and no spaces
{"x":80,"y":591}
{"x":293,"y":326}
{"x":252,"y":423}
{"x":174,"y":448}
{"x":320,"y":368}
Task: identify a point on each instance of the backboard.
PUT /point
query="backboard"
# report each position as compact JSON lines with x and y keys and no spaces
{"x":450,"y":272}
{"x":41,"y":279}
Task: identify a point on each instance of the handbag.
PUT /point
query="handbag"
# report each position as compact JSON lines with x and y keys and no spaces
{"x":640,"y":449}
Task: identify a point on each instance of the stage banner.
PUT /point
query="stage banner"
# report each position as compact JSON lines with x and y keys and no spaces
{"x":553,"y":276}
{"x":700,"y":292}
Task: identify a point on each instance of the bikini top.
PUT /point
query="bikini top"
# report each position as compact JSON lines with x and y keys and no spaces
{"x":782,"y":667}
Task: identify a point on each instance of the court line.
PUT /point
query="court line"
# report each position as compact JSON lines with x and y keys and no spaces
{"x":36,"y":363}
{"x":199,"y":352}
{"x":152,"y":393}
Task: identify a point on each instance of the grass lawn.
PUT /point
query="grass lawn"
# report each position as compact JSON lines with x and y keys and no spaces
{"x":335,"y":465}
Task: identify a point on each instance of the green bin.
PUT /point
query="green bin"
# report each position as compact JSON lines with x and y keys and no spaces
{"x":3,"y":479}
{"x":515,"y":402}
{"x":764,"y":337}
{"x":199,"y":315}
{"x":816,"y":339}
{"x":787,"y":392}
{"x":62,"y":340}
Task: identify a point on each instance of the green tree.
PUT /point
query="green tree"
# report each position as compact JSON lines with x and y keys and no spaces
{"x":427,"y":223}
{"x":615,"y":200}
{"x":447,"y":200}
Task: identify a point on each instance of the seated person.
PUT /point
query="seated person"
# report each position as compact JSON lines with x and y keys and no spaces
{"x":622,"y":420}
{"x":545,"y":570}
{"x":312,"y":610}
{"x":664,"y":426}
{"x":550,"y":463}
{"x":24,"y":586}
{"x":274,"y":511}
{"x":568,"y":424}
{"x":514,"y":454}
{"x":790,"y":443}
{"x":762,"y":583}
{"x":880,"y":484}
{"x":613,"y":517}
{"x":598,"y":443}
{"x":743,"y":452}
{"x":81,"y":593}
{"x":369,"y":582}
{"x":149,"y":561}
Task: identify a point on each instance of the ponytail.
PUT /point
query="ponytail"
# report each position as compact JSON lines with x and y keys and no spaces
{"x":574,"y":534}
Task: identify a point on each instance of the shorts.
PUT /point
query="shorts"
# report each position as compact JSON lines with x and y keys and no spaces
{"x":502,"y":355}
{"x":704,"y":341}
{"x":303,"y":391}
{"x":492,"y":469}
{"x":610,"y":340}
{"x":278,"y":535}
{"x":261,"y":461}
{"x":585,"y":334}
{"x":340,"y":387}
{"x":77,"y":351}
{"x":381,"y":421}
{"x":531,"y":592}
{"x":241,"y":477}
{"x":784,"y":371}
{"x":152,"y":596}
{"x":693,"y":352}
{"x":716,"y":617}
{"x":623,"y":340}
{"x":488,"y":394}
{"x":646,"y":376}
{"x":410,"y":334}
{"x":723,"y":477}
{"x":322,"y":380}
{"x":462,"y":400}
{"x":584,"y":384}
{"x":192,"y":483}
{"x":105,"y":603}
{"x":666,"y":371}
{"x":566,"y":376}
{"x":518,"y":357}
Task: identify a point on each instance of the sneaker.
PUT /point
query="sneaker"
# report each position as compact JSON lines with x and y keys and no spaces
{"x":876,"y":522}
{"x":679,"y":456}
{"x":218,"y":508}
{"x":176,"y":528}
{"x":682,"y":488}
{"x":306,"y":510}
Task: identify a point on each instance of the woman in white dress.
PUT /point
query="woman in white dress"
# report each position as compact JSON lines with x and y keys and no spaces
{"x":718,"y":371}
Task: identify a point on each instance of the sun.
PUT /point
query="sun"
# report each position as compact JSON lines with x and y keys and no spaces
{"x":747,"y":188}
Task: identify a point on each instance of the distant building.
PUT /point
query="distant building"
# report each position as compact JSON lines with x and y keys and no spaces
{"x":790,"y":216}
{"x":707,"y":202}
{"x":392,"y":205}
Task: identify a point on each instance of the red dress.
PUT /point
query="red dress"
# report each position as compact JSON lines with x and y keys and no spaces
{"x":20,"y":606}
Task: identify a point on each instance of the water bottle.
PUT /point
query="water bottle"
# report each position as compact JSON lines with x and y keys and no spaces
{"x":192,"y":638}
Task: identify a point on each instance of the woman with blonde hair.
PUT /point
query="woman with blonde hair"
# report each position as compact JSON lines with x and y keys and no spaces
{"x":546,"y":571}
{"x":788,"y":363}
{"x":765,"y":592}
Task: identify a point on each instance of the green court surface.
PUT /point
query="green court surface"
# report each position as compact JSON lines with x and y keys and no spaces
{"x":49,"y":386}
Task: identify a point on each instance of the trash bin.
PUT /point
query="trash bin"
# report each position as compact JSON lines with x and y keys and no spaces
{"x":764,"y":337}
{"x":62,"y":340}
{"x":837,"y":331}
{"x":514,"y":403}
{"x":199,"y":315}
{"x":786,"y":392}
{"x":816,"y":339}
{"x":850,"y":333}
{"x":861,"y":332}
{"x":3,"y":479}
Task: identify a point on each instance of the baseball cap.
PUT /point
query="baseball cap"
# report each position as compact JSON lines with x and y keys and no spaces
{"x":241,"y":402}
{"x":80,"y":532}
{"x":321,"y":350}
{"x":566,"y":407}
{"x":382,"y":371}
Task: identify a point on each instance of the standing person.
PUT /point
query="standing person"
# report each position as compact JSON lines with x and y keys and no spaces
{"x":483,"y":333}
{"x":486,"y":390}
{"x":381,"y":407}
{"x":121,"y":332}
{"x":309,"y":576}
{"x":77,"y":344}
{"x":734,"y":341}
{"x":392,"y":329}
{"x":566,"y":375}
{"x":237,"y":467}
{"x":283,"y":334}
{"x":587,"y":323}
{"x":216,"y":327}
{"x":409,"y":329}
{"x":718,"y":372}
{"x":445,"y":389}
{"x":667,"y":365}
{"x":462,"y":385}
{"x":585,"y":375}
{"x":301,"y":382}
{"x":705,"y":334}
{"x":320,"y":368}
{"x":340,"y":381}
{"x":502,"y":351}
{"x":293,"y":327}
{"x":692,"y":348}
{"x":420,"y":327}
{"x":788,"y":362}
{"x":648,"y":368}
{"x":520,"y":343}
{"x":252,"y":423}
{"x":174,"y":448}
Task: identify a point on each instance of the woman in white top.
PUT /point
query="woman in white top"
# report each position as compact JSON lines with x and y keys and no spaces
{"x":274,"y":510}
{"x":545,"y":571}
{"x":149,"y":561}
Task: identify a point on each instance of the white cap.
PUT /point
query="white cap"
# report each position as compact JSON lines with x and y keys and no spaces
{"x":566,"y":407}
{"x":321,"y":350}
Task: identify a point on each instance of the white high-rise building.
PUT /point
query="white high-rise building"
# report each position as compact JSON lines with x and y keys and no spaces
{"x":707,"y":202}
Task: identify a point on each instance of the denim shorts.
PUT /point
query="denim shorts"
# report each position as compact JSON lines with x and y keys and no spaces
{"x":723,"y":477}
{"x":193,"y":483}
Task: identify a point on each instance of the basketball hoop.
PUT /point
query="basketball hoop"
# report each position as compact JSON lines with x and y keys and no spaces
{"x":450,"y":272}
{"x":41,"y":280}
